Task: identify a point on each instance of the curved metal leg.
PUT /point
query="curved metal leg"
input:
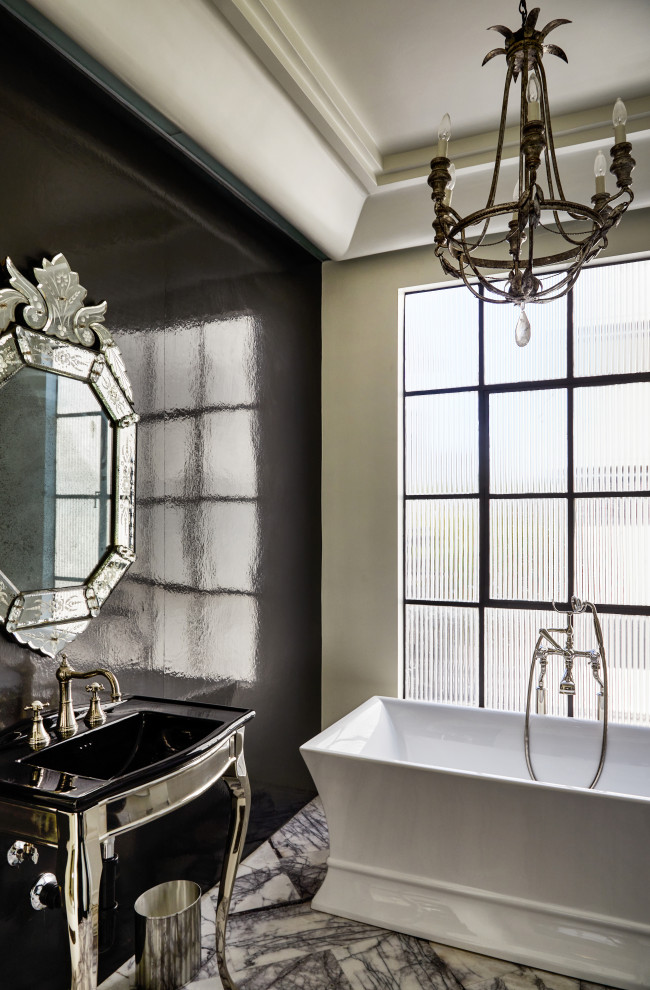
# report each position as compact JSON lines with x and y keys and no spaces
{"x":237,"y":780}
{"x":79,"y":871}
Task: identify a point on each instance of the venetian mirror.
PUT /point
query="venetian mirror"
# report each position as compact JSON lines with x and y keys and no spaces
{"x":67,"y":459}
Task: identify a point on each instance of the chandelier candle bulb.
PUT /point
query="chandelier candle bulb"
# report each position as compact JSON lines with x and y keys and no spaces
{"x":532,"y":95}
{"x":600,"y":168}
{"x":444,"y":134}
{"x":619,"y":119}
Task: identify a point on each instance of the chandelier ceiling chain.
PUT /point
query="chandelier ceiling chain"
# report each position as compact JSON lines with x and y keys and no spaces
{"x":473,"y":248}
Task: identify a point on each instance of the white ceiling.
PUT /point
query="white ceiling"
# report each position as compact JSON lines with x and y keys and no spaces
{"x":328,"y":109}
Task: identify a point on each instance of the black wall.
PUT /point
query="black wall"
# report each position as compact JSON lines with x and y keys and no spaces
{"x":218,"y":318}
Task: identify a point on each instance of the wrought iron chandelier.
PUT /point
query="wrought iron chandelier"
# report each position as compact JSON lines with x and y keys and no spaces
{"x":469,"y":249}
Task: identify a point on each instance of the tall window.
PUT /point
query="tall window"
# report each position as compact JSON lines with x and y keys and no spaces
{"x":527,"y":481}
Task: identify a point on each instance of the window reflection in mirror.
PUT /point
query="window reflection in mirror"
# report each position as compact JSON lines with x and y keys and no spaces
{"x":56,"y":449}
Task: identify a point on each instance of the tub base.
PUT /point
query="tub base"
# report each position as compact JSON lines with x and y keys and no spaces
{"x":594,"y":948}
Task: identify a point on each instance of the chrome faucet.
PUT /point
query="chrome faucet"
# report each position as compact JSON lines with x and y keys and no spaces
{"x":66,"y":723}
{"x":547,"y":646}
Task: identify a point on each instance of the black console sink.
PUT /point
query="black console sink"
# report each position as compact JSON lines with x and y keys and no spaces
{"x":134,"y":742}
{"x":142,"y":741}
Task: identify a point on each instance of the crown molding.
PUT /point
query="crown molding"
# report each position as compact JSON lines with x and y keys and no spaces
{"x":273,"y":38}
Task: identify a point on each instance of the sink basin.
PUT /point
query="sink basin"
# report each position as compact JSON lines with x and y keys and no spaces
{"x":143,"y":740}
{"x":135,"y":742}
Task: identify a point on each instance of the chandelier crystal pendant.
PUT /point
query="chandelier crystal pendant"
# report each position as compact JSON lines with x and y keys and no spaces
{"x":478,"y":246}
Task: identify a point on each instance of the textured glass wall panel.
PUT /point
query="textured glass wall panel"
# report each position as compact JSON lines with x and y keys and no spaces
{"x":441,"y":339}
{"x":611,"y":441}
{"x":543,"y":357}
{"x":612,"y":320}
{"x":528,"y":442}
{"x":442,"y":654}
{"x":528,"y":549}
{"x":510,"y":637}
{"x":442,"y":550}
{"x":442,"y":444}
{"x":613,"y":550}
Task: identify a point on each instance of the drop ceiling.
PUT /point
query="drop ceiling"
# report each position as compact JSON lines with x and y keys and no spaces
{"x":328,"y":109}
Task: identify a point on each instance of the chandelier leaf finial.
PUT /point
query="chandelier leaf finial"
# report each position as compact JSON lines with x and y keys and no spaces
{"x":501,"y":236}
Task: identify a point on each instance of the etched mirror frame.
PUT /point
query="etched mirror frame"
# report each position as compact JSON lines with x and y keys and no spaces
{"x":60,"y":335}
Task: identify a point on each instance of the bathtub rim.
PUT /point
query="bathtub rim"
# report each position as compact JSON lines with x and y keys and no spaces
{"x":316,"y":745}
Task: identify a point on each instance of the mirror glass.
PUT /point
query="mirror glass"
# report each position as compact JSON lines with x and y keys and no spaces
{"x":56,"y":470}
{"x":67,"y":458}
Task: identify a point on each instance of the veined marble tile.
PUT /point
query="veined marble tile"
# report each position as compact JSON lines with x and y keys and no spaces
{"x":305,"y":874}
{"x":117,"y":981}
{"x":265,"y":937}
{"x":311,"y":972}
{"x":472,"y":969}
{"x":263,"y":856}
{"x":255,"y":889}
{"x":306,"y":834}
{"x":394,"y":962}
{"x":522,"y":978}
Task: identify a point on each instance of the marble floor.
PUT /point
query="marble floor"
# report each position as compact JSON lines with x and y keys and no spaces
{"x":276,"y":941}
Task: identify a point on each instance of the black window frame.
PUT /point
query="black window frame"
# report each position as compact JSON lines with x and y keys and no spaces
{"x":569,"y":383}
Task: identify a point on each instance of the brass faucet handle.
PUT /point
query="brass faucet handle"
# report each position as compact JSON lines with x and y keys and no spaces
{"x":38,"y":737}
{"x":95,"y":715}
{"x":36,"y":707}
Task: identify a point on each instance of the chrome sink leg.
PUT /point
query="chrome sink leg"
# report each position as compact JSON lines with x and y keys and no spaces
{"x":240,"y":801}
{"x":79,"y":869}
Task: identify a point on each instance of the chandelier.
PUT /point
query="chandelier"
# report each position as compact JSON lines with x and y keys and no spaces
{"x":478,"y":246}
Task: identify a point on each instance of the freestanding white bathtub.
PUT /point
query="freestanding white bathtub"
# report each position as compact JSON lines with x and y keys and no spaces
{"x":436,"y":830}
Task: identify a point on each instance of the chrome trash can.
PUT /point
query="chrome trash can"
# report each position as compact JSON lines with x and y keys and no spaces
{"x":167,"y":935}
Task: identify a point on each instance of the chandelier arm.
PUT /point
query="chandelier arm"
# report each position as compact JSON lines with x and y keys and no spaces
{"x":502,"y":130}
{"x":550,"y":140}
{"x":567,"y":237}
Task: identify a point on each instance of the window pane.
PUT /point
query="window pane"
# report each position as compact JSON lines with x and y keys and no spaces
{"x":611,"y":441}
{"x":442,"y":654}
{"x":442,"y":444}
{"x":510,"y":637}
{"x":627,"y":645}
{"x":612,"y":320}
{"x":528,"y":549}
{"x":528,"y":442}
{"x":442,"y":550}
{"x":613,"y":550}
{"x":441,"y":344}
{"x":543,"y":357}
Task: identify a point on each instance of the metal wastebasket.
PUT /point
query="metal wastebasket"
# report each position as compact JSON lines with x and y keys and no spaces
{"x":167,"y":935}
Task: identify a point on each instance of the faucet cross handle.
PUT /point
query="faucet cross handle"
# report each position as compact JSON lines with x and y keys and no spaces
{"x":38,"y":737}
{"x":95,"y":714}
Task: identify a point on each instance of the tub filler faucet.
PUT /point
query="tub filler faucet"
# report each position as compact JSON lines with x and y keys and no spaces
{"x":548,"y":646}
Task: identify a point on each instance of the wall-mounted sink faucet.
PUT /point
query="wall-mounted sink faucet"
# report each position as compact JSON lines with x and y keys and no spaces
{"x":66,"y":723}
{"x":548,"y":646}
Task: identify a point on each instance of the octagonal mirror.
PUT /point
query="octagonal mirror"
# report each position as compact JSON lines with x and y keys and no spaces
{"x":67,"y":459}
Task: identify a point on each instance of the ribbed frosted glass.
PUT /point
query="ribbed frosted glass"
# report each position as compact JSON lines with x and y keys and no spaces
{"x":613,"y":550}
{"x":612,"y":320}
{"x":528,"y":549}
{"x":440,"y":339}
{"x":510,"y":637}
{"x":611,"y":439}
{"x":528,"y":442}
{"x":442,"y":550}
{"x":627,"y":645}
{"x":442,"y":444}
{"x":442,"y":654}
{"x":542,"y":358}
